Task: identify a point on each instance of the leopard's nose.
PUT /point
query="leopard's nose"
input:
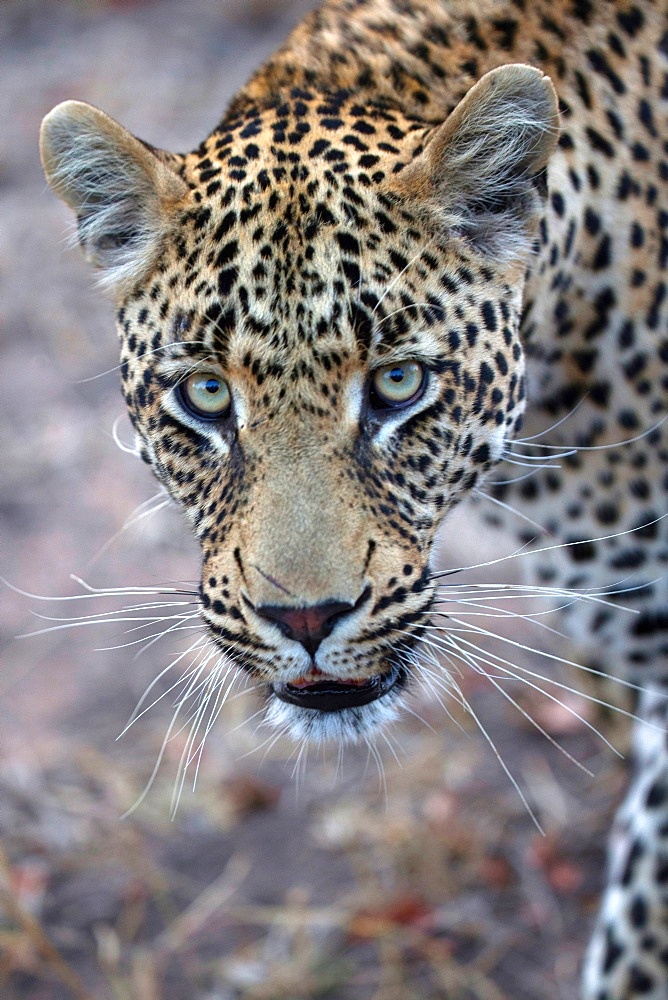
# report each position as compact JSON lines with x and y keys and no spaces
{"x":309,"y":625}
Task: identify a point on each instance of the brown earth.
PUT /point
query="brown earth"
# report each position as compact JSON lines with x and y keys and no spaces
{"x":419,"y":877}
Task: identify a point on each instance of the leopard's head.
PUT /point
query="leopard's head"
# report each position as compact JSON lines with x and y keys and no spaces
{"x":318,"y":312}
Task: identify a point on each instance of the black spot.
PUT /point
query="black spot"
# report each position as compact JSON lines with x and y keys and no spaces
{"x":582,"y":549}
{"x":599,"y":63}
{"x":635,"y":854}
{"x":646,"y":116}
{"x":558,"y":203}
{"x":585,"y":360}
{"x":638,"y":912}
{"x":227,"y":280}
{"x":227,"y":253}
{"x":398,"y":260}
{"x":352,"y":272}
{"x":631,"y":559}
{"x":613,"y":951}
{"x":607,"y":513}
{"x":582,"y":87}
{"x":583,"y":9}
{"x":650,"y":623}
{"x":385,"y":223}
{"x":348,"y":243}
{"x":365,"y":128}
{"x":481,"y":454}
{"x":489,"y":315}
{"x":599,"y":144}
{"x":592,"y":221}
{"x":654,"y":310}
{"x":550,"y":25}
{"x":637,"y":235}
{"x":602,"y":258}
{"x":486,"y":374}
{"x":657,"y":795}
{"x":506,"y":29}
{"x":473,"y":33}
{"x":640,"y":982}
{"x":630,"y":21}
{"x":224,"y":226}
{"x":628,"y":420}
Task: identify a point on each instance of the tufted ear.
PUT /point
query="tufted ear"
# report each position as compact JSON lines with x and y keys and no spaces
{"x":483,"y":170}
{"x":124,"y":193}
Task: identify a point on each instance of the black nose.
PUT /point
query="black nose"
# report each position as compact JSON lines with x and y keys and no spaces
{"x":309,"y":626}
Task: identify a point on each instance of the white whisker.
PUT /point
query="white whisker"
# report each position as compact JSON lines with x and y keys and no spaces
{"x":398,"y":277}
{"x":478,"y":657}
{"x":526,"y":551}
{"x":512,"y":510}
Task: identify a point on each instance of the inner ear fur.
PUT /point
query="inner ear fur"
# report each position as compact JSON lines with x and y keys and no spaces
{"x":482,"y":172}
{"x":125,"y":194}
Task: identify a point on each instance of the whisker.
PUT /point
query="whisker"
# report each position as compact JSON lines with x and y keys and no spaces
{"x":520,"y":479}
{"x":476,"y":662}
{"x":525,"y":550}
{"x":411,"y":306}
{"x":99,"y":592}
{"x":514,"y":670}
{"x":557,"y":423}
{"x":101,"y":618}
{"x":400,"y":274}
{"x":127,"y":449}
{"x":110,"y":371}
{"x":495,"y":750}
{"x":139,"y":711}
{"x":595,"y":447}
{"x":141,"y":513}
{"x":512,"y":510}
{"x":519,"y":458}
{"x":554,"y":657}
{"x":373,"y":754}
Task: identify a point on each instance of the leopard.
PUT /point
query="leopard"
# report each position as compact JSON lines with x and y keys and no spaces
{"x":420,"y":227}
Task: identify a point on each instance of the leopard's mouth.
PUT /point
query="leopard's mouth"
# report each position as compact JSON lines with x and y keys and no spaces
{"x":319,"y":693}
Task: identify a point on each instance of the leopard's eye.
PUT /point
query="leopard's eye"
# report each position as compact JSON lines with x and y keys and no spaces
{"x":397,"y":385}
{"x":205,"y":395}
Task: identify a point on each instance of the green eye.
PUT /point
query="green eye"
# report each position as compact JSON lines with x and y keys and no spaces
{"x":398,"y":384}
{"x":205,"y":395}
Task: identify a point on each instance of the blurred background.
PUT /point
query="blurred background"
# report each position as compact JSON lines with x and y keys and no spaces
{"x":414,"y":874}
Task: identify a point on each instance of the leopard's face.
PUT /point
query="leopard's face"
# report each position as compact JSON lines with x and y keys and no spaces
{"x":319,"y":364}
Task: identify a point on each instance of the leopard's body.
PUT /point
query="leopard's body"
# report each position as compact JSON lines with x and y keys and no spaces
{"x":333,"y":314}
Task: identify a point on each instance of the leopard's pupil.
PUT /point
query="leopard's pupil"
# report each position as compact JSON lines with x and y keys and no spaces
{"x":398,"y":384}
{"x":205,"y":396}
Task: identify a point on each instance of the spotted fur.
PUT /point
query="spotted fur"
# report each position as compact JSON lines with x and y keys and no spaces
{"x":476,"y":190}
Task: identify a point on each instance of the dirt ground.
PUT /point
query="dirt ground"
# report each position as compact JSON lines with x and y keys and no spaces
{"x":421,"y":876}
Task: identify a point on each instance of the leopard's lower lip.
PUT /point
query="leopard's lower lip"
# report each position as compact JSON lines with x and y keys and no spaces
{"x":329,"y":695}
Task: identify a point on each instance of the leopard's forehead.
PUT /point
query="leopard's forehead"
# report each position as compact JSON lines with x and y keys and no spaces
{"x":296,"y":140}
{"x":294,"y":235}
{"x":296,"y":241}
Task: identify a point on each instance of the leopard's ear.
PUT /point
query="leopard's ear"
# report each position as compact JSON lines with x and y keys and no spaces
{"x":483,"y":171}
{"x":124,"y":193}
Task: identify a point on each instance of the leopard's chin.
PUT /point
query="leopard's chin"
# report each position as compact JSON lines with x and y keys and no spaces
{"x":326,"y":709}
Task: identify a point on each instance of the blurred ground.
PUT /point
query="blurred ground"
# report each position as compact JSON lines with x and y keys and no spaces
{"x":430,"y":882}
